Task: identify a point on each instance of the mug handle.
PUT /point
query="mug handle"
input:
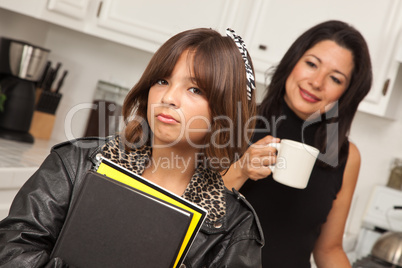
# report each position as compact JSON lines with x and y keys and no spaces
{"x":276,"y":145}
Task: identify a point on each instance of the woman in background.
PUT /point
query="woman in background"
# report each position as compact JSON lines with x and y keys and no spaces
{"x":313,"y":96}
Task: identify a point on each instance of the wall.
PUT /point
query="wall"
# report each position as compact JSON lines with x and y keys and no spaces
{"x":90,"y":59}
{"x":379,"y":141}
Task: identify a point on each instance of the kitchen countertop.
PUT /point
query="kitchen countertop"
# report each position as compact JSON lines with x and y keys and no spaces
{"x":19,"y":160}
{"x":23,"y":155}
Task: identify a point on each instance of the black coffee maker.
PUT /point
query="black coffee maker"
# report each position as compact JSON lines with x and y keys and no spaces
{"x":21,"y":65}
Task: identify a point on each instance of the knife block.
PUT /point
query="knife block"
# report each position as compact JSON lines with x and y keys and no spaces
{"x":42,"y":125}
{"x":44,"y":114}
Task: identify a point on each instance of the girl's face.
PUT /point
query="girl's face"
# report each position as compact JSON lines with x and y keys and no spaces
{"x":178,"y":111}
{"x":319,"y":79}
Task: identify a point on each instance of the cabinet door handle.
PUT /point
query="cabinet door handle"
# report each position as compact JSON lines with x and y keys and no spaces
{"x":385,"y":87}
{"x":99,"y":9}
{"x":262,"y":47}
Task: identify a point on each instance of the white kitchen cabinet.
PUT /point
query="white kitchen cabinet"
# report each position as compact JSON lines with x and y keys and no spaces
{"x":386,"y":94}
{"x":277,"y":23}
{"x":153,"y":22}
{"x":73,"y":8}
{"x":143,"y":24}
{"x":26,"y":7}
{"x":74,"y":14}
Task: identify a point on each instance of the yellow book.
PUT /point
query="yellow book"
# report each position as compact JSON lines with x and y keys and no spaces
{"x":127,"y":177}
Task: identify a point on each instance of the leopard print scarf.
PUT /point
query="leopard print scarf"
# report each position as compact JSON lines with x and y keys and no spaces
{"x":206,"y":187}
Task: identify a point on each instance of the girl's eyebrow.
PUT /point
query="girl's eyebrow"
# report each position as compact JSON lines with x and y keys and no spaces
{"x":335,"y":70}
{"x":193,"y":80}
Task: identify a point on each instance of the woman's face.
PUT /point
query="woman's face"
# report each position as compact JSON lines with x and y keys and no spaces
{"x":319,"y":79}
{"x":178,"y":111}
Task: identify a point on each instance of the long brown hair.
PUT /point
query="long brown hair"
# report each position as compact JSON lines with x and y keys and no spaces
{"x":219,"y":70}
{"x":345,"y":36}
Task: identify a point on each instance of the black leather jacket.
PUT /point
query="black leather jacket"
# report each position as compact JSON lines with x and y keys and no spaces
{"x":37,"y":214}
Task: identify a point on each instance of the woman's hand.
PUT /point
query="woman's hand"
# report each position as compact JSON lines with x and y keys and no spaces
{"x":254,"y":163}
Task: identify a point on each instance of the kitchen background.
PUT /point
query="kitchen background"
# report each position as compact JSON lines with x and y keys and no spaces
{"x":114,"y":40}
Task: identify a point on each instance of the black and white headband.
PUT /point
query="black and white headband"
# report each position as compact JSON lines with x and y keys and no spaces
{"x":243,"y":51}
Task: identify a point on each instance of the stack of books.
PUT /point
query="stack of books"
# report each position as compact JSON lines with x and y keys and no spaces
{"x":120,"y":219}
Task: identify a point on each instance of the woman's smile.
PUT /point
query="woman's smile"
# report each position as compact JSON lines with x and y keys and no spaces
{"x":308,"y":96}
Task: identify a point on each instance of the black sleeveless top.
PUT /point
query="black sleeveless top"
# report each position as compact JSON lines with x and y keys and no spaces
{"x":291,"y":218}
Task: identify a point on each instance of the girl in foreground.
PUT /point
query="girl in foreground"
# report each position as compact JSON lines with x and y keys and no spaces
{"x":176,"y":136}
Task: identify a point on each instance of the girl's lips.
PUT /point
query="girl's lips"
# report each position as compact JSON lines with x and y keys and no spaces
{"x":307,"y":96}
{"x":165,"y":118}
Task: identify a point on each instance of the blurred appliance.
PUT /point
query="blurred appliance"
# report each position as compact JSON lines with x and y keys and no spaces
{"x":389,"y":248}
{"x":21,"y":65}
{"x":383,"y":214}
{"x":395,"y":177}
{"x":106,"y":112}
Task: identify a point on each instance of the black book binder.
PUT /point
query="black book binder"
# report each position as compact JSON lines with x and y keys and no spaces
{"x":111,"y":224}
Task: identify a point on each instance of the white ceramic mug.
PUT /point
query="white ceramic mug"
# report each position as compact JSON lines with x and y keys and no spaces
{"x":294,"y":163}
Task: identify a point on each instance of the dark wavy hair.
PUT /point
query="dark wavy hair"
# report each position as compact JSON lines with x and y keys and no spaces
{"x":219,"y":69}
{"x":347,"y":37}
